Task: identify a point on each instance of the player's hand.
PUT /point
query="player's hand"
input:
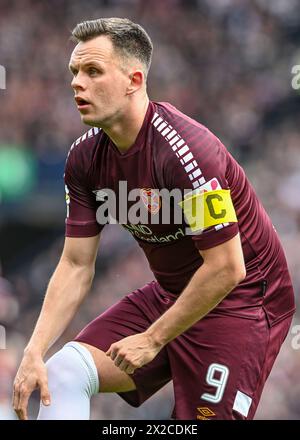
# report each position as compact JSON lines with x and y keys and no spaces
{"x":32,"y":374}
{"x":133,"y":352}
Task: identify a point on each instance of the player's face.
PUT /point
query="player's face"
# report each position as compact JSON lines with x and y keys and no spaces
{"x":100,"y":82}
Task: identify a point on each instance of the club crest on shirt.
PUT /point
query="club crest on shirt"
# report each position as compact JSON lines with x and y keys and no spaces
{"x":150,"y":199}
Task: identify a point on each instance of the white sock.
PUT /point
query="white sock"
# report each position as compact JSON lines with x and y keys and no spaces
{"x":72,"y":380}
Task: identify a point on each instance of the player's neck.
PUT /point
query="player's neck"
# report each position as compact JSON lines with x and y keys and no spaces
{"x":125,"y":131}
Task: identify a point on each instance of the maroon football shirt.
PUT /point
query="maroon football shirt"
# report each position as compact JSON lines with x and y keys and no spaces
{"x":174,"y":151}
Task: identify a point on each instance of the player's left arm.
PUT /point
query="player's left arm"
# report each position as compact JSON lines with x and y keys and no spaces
{"x":222,"y":270}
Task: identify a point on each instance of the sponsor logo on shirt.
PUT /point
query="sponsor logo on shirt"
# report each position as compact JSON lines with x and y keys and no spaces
{"x":143,"y":232}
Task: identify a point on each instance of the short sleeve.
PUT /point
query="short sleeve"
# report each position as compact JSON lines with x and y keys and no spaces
{"x":81,"y":205}
{"x":199,"y":164}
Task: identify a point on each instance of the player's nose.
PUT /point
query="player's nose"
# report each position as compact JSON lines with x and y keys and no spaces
{"x":78,"y":82}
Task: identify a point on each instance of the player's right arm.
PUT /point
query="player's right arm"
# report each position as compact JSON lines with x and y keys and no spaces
{"x":68,"y":287}
{"x":71,"y":280}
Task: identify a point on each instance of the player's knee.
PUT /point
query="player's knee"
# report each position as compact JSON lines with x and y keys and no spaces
{"x":72,"y":368}
{"x":61,"y":371}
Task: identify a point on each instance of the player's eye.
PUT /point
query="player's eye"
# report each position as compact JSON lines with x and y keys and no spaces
{"x":74,"y":72}
{"x":92,"y":71}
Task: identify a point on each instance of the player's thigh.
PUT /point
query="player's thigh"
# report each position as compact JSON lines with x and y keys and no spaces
{"x":278,"y":334}
{"x":111,"y":378}
{"x":216,"y":367}
{"x":125,"y":318}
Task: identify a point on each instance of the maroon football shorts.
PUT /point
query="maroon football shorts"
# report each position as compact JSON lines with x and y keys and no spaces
{"x":219,"y":366}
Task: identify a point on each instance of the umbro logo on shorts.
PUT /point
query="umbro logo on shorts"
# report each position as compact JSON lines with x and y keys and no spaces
{"x":205,"y":413}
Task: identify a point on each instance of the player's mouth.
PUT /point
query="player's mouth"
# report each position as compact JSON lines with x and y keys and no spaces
{"x":81,"y":103}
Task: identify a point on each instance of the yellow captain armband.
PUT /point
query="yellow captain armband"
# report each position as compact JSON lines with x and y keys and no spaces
{"x":207,"y":209}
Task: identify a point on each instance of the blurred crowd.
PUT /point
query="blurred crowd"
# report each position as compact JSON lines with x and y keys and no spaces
{"x":226,"y":63}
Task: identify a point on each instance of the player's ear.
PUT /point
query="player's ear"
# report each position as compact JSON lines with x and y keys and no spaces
{"x":137,"y":79}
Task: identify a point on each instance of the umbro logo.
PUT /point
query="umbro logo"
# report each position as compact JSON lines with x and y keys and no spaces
{"x":205,"y":413}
